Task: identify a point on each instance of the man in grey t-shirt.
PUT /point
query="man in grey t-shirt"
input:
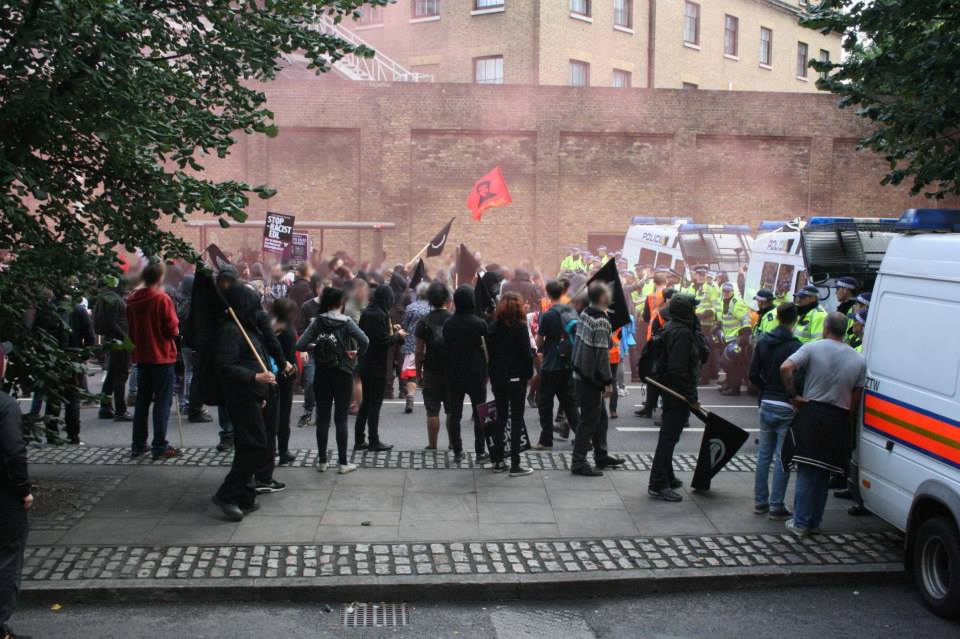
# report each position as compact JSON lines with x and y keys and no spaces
{"x":833,"y":376}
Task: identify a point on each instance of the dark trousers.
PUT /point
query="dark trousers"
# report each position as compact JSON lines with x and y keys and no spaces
{"x":509,"y":399}
{"x":374,"y":383}
{"x":557,"y":384}
{"x":154,"y":385}
{"x":115,"y":382}
{"x":270,"y":415}
{"x":333,"y":389}
{"x":71,"y":415}
{"x":13,"y":541}
{"x":675,"y":417}
{"x":250,"y":452}
{"x":477,"y":392}
{"x":284,"y":406}
{"x":592,"y":430}
{"x":653,"y":394}
{"x":614,"y":396}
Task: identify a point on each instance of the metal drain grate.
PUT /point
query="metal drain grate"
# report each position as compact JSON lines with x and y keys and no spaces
{"x":374,"y":615}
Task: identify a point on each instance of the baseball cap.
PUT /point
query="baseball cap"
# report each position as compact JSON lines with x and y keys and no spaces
{"x":764,"y":294}
{"x":848,"y":282}
{"x":808,"y":290}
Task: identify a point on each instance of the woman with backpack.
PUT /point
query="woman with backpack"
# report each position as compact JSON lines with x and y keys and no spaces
{"x":336,"y":343}
{"x":511,"y":367}
{"x":377,"y":324}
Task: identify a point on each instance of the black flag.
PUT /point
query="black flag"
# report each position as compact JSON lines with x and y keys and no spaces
{"x":418,"y":274}
{"x":619,"y":310}
{"x":721,"y":441}
{"x":439,"y":240}
{"x":467,"y":265}
{"x":217,"y":259}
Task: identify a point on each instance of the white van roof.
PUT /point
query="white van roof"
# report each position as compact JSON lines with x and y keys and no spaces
{"x":928,"y":256}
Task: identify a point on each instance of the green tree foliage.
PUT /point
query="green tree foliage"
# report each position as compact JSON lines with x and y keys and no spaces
{"x":107,"y":110}
{"x":902,"y":71}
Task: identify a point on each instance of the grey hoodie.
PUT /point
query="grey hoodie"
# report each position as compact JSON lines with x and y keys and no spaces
{"x":349,"y":337}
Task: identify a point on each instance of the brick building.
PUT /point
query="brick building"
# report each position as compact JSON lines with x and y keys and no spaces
{"x":577,"y":161}
{"x":748,"y":45}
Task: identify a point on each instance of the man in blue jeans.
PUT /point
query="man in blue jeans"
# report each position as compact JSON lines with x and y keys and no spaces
{"x":153,"y":328}
{"x":776,"y":412}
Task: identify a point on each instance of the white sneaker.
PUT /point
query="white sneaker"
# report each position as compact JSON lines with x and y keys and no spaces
{"x":798,"y":531}
{"x":322,"y":466}
{"x":343,"y":469}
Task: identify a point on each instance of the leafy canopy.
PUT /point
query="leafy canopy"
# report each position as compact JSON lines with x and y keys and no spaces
{"x":902,"y":71}
{"x":107,"y":108}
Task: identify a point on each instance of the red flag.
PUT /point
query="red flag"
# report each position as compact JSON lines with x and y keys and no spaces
{"x":490,"y":191}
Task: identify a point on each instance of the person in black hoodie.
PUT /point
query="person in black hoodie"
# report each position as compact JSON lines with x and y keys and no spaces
{"x":110,"y":321}
{"x":284,"y":311}
{"x":463,"y":338}
{"x":511,"y":367}
{"x":384,"y":335}
{"x":335,"y":343}
{"x":776,"y":412}
{"x":679,"y":369}
{"x":15,"y":500}
{"x":246,"y":387}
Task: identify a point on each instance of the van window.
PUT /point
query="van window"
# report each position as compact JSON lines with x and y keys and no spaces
{"x":784,"y":277}
{"x":647,"y":257}
{"x":769,"y":275}
{"x":911,"y":330}
{"x":664,"y":259}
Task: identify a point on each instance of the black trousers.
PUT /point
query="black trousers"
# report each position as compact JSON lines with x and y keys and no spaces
{"x":509,"y":399}
{"x":284,"y":408}
{"x":653,"y":394}
{"x":13,"y":542}
{"x":250,"y":452}
{"x":477,"y":392}
{"x":334,"y":390}
{"x":71,"y":415}
{"x":675,"y":417}
{"x":270,"y":416}
{"x":115,"y":382}
{"x":374,"y":383}
{"x":559,"y":385}
{"x":614,"y":396}
{"x":592,"y":430}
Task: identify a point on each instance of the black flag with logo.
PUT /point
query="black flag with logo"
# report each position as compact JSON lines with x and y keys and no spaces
{"x":467,"y":265}
{"x":721,"y":441}
{"x":418,"y":274}
{"x":439,"y":240}
{"x":619,"y":313}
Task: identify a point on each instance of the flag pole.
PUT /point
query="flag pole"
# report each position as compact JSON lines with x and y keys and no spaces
{"x":253,"y":349}
{"x":456,"y":273}
{"x":418,"y":255}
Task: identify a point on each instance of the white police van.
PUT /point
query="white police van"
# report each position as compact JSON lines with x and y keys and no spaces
{"x":652,"y":242}
{"x":776,"y":261}
{"x":722,"y":248}
{"x":907,"y":462}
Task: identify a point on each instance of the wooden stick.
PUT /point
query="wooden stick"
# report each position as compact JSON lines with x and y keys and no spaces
{"x":702,"y":413}
{"x":253,"y":348}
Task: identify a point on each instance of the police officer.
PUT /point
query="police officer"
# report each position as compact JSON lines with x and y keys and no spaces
{"x":810,"y":315}
{"x":855,"y":332}
{"x":706,"y":293}
{"x":573,"y":262}
{"x":846,"y":294}
{"x":766,"y":313}
{"x":734,"y":318}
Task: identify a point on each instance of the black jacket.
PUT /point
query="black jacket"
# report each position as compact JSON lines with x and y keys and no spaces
{"x":235,"y":362}
{"x":376,"y":323}
{"x":14,"y":479}
{"x":522,"y":285}
{"x":463,"y":336}
{"x":112,"y":309}
{"x":773,"y":348}
{"x":309,"y":310}
{"x":681,"y":369}
{"x":510,"y":354}
{"x":300,"y":291}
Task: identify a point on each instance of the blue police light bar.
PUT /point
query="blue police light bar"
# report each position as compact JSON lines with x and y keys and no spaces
{"x":715,"y":228}
{"x":658,"y":219}
{"x":814,"y":221}
{"x":772,"y":225}
{"x":930,"y":220}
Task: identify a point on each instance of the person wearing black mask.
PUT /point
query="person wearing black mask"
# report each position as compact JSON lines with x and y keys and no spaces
{"x":511,"y":367}
{"x":246,"y":387}
{"x":376,"y":323}
{"x":463,"y":337}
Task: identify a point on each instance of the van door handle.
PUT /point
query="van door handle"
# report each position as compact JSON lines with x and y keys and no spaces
{"x":889,"y":446}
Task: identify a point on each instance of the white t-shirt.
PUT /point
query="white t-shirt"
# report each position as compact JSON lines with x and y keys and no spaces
{"x":831,"y":371}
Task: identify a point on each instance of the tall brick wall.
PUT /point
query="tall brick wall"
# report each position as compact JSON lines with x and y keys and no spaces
{"x":577,"y":161}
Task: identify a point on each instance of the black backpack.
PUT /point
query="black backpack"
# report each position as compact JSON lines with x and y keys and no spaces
{"x":436,"y":350}
{"x":326,"y":350}
{"x":652,"y":356}
{"x":568,"y":326}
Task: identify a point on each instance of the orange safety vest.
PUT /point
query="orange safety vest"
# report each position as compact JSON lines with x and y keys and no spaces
{"x":615,"y":349}
{"x":654,"y":319}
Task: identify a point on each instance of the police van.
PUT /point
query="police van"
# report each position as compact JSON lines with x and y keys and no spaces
{"x":776,"y":261}
{"x":722,"y":248}
{"x":652,"y":242}
{"x":907,"y":461}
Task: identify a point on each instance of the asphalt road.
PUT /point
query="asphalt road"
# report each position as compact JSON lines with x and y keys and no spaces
{"x":866,"y":612}
{"x":408,"y":432}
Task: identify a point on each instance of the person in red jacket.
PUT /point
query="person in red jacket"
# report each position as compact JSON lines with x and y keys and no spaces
{"x":153,"y":327}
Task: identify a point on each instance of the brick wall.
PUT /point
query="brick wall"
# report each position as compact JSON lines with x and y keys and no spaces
{"x":577,"y":161}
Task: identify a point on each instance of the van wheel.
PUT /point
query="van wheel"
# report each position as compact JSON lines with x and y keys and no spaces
{"x":936,"y":566}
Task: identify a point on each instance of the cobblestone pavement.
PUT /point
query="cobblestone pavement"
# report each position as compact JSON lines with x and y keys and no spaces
{"x":395,"y":459}
{"x":72,"y":563}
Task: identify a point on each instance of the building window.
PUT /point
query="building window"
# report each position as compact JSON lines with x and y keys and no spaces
{"x":580,"y":7}
{"x":802,"y":59}
{"x":766,"y":46}
{"x":691,"y":23}
{"x":731,"y":35}
{"x":621,"y":79}
{"x":426,"y":8}
{"x":487,"y":4}
{"x":689,"y":86}
{"x":370,"y":15}
{"x":623,"y":13}
{"x":824,"y":57}
{"x":488,"y":70}
{"x":579,"y":73}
